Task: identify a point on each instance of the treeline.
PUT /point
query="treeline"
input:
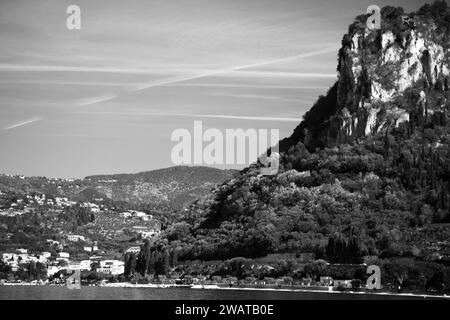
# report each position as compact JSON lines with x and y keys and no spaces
{"x":26,"y":272}
{"x":150,"y":260}
{"x":342,"y":250}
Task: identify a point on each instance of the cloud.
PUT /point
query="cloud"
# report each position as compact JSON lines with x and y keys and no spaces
{"x":69,"y":83}
{"x":204,"y":74}
{"x":46,"y":68}
{"x":23,"y":123}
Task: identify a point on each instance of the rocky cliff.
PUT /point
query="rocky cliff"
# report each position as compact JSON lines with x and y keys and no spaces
{"x":376,"y":68}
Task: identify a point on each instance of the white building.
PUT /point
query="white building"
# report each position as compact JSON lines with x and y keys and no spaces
{"x":9,"y":256}
{"x":52,"y":242}
{"x":65,"y":255}
{"x":92,"y":206}
{"x":125,"y":214}
{"x":139,"y":214}
{"x":113,"y":267}
{"x":51,"y":270}
{"x":145,"y":232}
{"x":41,"y":259}
{"x":75,"y":238}
{"x":133,"y":250}
{"x":85,"y":265}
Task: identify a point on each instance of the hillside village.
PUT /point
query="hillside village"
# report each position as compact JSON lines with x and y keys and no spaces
{"x":55,"y":233}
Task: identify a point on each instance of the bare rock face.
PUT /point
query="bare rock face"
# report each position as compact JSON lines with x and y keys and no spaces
{"x":376,"y":68}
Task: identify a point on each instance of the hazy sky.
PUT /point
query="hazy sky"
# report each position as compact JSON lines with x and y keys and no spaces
{"x":106,"y":98}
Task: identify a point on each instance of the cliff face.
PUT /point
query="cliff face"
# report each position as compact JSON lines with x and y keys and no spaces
{"x":375,"y":69}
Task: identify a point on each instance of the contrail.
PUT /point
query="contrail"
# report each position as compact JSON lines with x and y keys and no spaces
{"x":20,"y":124}
{"x":237,"y":68}
{"x":257,"y":86}
{"x":282,"y":74}
{"x":193,"y":115}
{"x":90,"y":101}
{"x":217,"y":72}
{"x":221,"y":116}
{"x":260,"y":97}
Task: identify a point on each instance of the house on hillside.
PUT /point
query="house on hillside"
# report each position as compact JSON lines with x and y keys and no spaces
{"x":91,"y":248}
{"x":145,"y":232}
{"x":138,"y":214}
{"x":133,"y":250}
{"x":64,"y":255}
{"x":112,"y":267}
{"x":75,"y":238}
{"x":125,"y":214}
{"x":85,"y":265}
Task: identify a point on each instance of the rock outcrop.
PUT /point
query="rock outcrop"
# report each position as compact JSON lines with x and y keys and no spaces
{"x":410,"y":53}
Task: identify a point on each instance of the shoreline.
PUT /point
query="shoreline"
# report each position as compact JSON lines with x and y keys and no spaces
{"x":216,"y":287}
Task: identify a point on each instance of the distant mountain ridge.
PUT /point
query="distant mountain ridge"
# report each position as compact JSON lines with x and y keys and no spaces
{"x":171,"y":187}
{"x":175,"y":185}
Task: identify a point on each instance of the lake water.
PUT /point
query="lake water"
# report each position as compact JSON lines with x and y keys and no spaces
{"x":105,"y":293}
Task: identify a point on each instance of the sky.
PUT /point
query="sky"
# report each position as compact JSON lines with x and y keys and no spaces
{"x":106,"y":98}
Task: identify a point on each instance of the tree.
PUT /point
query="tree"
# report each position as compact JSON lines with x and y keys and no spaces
{"x":315,"y":269}
{"x":130,"y":263}
{"x":398,"y":270}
